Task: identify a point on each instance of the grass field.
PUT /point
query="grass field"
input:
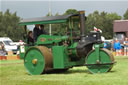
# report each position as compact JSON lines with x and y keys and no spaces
{"x":14,"y":73}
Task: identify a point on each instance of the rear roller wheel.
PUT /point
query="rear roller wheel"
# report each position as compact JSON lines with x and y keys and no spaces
{"x":37,"y":60}
{"x":104,"y":64}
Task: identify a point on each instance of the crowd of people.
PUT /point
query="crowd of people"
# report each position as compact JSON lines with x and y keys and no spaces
{"x":119,"y":50}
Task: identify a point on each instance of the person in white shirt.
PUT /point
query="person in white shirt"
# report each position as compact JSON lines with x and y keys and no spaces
{"x":126,"y":47}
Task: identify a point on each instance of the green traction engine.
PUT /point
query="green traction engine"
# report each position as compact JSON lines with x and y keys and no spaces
{"x":61,"y":52}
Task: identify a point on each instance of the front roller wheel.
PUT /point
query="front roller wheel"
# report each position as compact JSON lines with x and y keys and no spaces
{"x":104,"y":64}
{"x":38,"y":60}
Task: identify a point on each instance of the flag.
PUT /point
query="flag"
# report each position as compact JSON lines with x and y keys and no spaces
{"x":96,"y":29}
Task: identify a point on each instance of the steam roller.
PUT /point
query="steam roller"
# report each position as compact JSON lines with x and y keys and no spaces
{"x":61,"y":52}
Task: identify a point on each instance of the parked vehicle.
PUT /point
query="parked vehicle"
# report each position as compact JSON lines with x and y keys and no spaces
{"x":109,"y":44}
{"x":8,"y":44}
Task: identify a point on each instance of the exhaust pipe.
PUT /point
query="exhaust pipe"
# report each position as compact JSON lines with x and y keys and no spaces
{"x":82,"y":25}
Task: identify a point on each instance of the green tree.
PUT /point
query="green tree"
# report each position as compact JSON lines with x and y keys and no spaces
{"x":103,"y":21}
{"x":9,"y":26}
{"x":94,"y":19}
{"x":126,"y":14}
{"x":70,"y":11}
{"x":108,"y":24}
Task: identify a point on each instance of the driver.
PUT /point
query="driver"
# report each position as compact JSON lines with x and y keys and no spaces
{"x":42,"y":31}
{"x":36,"y":32}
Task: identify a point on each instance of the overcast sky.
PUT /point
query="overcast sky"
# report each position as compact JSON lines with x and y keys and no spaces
{"x":38,"y":8}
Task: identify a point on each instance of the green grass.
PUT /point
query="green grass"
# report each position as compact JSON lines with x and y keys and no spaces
{"x":15,"y":74}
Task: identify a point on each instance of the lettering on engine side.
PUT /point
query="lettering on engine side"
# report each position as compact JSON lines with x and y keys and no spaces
{"x":58,"y":39}
{"x":50,"y":39}
{"x":42,"y":39}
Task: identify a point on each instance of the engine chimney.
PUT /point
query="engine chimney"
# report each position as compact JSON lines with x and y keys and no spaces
{"x":82,"y":25}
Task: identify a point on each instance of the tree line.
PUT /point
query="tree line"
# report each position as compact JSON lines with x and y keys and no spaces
{"x":9,"y":23}
{"x":9,"y":26}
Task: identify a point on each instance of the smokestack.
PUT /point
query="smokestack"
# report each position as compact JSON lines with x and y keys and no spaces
{"x":82,"y":24}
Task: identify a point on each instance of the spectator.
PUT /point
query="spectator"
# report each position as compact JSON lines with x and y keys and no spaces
{"x":21,"y":43}
{"x":2,"y":51}
{"x":117,"y":47}
{"x":126,"y":47}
